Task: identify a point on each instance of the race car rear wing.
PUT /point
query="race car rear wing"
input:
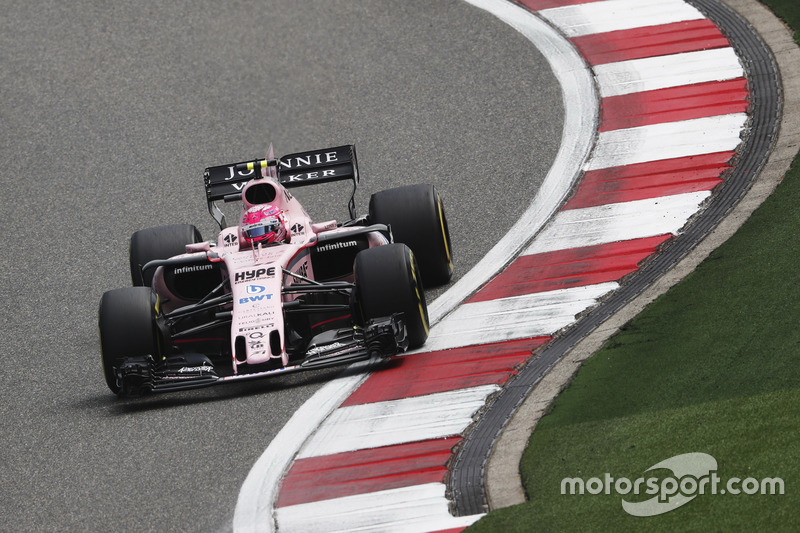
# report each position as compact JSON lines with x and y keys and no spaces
{"x":226,"y":182}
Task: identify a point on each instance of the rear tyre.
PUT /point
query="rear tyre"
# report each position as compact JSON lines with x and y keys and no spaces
{"x":417,"y":218}
{"x":161,"y":242}
{"x":126,"y":320}
{"x":387,"y":282}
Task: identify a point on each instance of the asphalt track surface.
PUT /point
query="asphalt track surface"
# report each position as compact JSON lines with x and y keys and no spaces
{"x":109,"y":115}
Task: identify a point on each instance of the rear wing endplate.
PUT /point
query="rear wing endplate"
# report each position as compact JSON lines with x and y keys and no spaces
{"x":225,"y":182}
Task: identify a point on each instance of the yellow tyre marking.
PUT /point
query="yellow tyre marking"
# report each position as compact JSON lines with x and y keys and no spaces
{"x":444,"y":233}
{"x":419,"y":297}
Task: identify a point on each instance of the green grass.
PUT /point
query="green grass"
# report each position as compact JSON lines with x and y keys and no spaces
{"x":787,"y":11}
{"x":712,"y":366}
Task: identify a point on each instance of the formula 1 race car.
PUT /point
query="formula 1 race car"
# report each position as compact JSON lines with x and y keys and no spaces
{"x":276,"y":292}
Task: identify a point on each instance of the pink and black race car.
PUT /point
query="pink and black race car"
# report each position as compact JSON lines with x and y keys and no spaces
{"x":276,"y":292}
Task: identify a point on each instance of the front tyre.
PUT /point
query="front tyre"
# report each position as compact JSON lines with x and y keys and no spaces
{"x":417,"y":218}
{"x":387,"y":282}
{"x":126,"y":319}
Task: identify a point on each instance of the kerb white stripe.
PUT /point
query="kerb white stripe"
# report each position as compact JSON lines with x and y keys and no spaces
{"x":575,"y":228}
{"x":600,"y":17}
{"x":517,"y":317}
{"x":661,"y":72}
{"x":415,"y":509}
{"x":667,"y":141}
{"x":377,"y":424}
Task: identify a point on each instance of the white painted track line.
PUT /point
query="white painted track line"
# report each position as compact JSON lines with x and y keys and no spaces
{"x":580,"y":128}
{"x":254,"y":505}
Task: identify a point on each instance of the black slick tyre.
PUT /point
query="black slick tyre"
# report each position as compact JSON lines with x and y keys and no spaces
{"x":387,"y":282}
{"x":126,"y":321}
{"x":161,"y":242}
{"x":417,"y":218}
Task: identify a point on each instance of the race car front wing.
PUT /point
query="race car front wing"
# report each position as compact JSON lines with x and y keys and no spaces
{"x":378,"y":340}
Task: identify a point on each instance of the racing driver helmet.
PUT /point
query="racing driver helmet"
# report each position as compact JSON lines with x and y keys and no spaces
{"x":263,"y":224}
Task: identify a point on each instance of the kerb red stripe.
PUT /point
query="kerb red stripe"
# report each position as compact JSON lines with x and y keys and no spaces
{"x":458,"y":368}
{"x":652,"y":41}
{"x":363,"y":471}
{"x":673,"y":104}
{"x":650,"y":180}
{"x":573,"y":267}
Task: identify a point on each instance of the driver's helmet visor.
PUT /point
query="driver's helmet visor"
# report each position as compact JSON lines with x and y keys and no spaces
{"x":259,"y":229}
